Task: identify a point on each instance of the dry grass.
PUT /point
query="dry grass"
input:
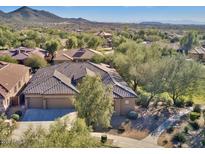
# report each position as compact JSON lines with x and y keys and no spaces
{"x":136,"y":134}
{"x":167,"y":137}
{"x":133,"y":133}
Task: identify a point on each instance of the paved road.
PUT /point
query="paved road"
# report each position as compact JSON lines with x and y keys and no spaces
{"x":125,"y":142}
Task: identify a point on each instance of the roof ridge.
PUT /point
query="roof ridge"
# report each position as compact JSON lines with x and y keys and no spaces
{"x":4,"y":87}
{"x":113,"y":80}
{"x":67,"y":56}
{"x":66,"y":80}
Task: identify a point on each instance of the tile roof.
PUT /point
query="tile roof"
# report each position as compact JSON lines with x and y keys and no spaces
{"x":198,"y":50}
{"x":75,"y":54}
{"x":10,"y":74}
{"x":46,"y":82}
{"x":22,"y":53}
{"x":102,"y":33}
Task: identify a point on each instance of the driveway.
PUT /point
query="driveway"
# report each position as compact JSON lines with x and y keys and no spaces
{"x":23,"y":126}
{"x":125,"y":142}
{"x":45,"y":114}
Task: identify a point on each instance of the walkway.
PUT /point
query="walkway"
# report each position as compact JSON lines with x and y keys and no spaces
{"x":153,"y":137}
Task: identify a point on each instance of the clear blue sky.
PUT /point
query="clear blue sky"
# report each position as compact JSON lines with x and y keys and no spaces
{"x":178,"y":15}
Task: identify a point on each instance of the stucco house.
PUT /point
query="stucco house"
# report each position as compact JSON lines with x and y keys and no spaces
{"x":22,"y":53}
{"x":80,"y":54}
{"x":197,"y":53}
{"x":12,"y":78}
{"x":55,"y":86}
{"x":107,"y":36}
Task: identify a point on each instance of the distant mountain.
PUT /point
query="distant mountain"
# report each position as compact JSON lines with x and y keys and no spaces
{"x":25,"y":17}
{"x":151,"y":23}
{"x":29,"y":15}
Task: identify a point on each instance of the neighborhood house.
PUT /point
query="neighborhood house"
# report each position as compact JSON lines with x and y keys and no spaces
{"x":55,"y":86}
{"x":22,"y":53}
{"x":197,"y":53}
{"x":82,"y":54}
{"x":12,"y":78}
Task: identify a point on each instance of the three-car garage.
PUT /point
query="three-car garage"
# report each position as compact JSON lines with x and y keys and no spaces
{"x":49,"y":102}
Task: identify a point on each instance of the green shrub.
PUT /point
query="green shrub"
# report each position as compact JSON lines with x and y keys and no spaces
{"x":186,"y":129}
{"x":203,"y":142}
{"x":19,"y":113}
{"x":15,"y":117}
{"x":194,"y":125}
{"x":103,"y":138}
{"x":189,"y":103}
{"x":121,"y":129}
{"x":179,"y":103}
{"x":143,"y":101}
{"x":170,"y":130}
{"x":132,"y":115}
{"x":164,"y":97}
{"x":165,"y":142}
{"x":179,"y":137}
{"x":197,"y":108}
{"x":194,"y":115}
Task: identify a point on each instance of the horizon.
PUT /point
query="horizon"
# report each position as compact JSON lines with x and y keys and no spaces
{"x":126,"y":14}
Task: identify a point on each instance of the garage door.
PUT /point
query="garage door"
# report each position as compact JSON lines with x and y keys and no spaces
{"x":59,"y":103}
{"x":35,"y":102}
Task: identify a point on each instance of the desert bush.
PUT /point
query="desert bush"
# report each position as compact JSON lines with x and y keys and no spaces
{"x":179,"y":103}
{"x":189,"y":103}
{"x":203,"y":142}
{"x":126,"y":125}
{"x":143,"y":101}
{"x":197,"y":108}
{"x":194,"y":125}
{"x":179,"y":137}
{"x":186,"y":129}
{"x":103,"y":138}
{"x":15,"y":117}
{"x":194,"y":115}
{"x":19,"y":113}
{"x":132,"y":115}
{"x":164,"y":97}
{"x":165,"y":142}
{"x":121,"y":129}
{"x":170,"y":130}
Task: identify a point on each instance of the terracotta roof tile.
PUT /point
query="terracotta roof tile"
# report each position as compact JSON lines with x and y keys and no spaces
{"x":45,"y":81}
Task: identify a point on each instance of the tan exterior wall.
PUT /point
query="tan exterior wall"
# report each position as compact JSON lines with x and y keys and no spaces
{"x":123,"y":106}
{"x":16,"y":88}
{"x":196,"y":56}
{"x":58,"y":103}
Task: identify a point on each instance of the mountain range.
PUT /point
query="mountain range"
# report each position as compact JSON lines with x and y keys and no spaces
{"x":29,"y":15}
{"x":26,"y":16}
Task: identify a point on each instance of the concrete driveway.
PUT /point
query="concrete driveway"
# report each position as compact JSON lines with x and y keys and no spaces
{"x":23,"y":126}
{"x":45,"y":114}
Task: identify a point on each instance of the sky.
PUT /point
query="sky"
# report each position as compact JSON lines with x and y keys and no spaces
{"x":165,"y":14}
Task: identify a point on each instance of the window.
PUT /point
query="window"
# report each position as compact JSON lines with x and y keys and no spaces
{"x":126,"y":102}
